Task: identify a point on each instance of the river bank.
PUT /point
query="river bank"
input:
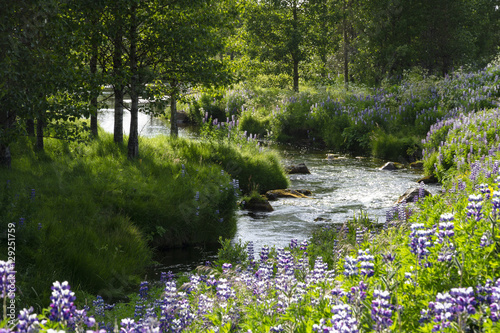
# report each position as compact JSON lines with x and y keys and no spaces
{"x":84,"y":212}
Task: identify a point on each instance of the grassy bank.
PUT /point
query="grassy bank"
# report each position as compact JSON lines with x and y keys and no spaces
{"x":387,"y":122}
{"x":85,"y":213}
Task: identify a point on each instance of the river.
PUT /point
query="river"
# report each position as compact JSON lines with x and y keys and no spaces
{"x":341,"y":188}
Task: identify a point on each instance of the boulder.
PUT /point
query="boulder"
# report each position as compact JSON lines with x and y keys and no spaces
{"x":257,"y":205}
{"x":428,"y":180}
{"x":390,"y":166}
{"x":411,"y":194}
{"x":299,"y":168}
{"x":417,"y":165}
{"x":275,"y":194}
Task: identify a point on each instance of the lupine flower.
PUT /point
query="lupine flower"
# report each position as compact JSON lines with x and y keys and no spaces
{"x":350,"y":266}
{"x":62,"y":307}
{"x":486,"y":239}
{"x":474,"y":207}
{"x":365,"y":260}
{"x":420,"y":241}
{"x":226,"y":267}
{"x":303,"y":245}
{"x":7,"y":276}
{"x":495,"y":302}
{"x":293,"y":243}
{"x":250,"y":251}
{"x":381,"y":312}
{"x":27,"y":321}
{"x":264,"y":254}
{"x":455,"y":306}
{"x":143,"y":290}
{"x":485,"y":190}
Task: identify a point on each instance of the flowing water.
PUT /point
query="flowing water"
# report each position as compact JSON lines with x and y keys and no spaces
{"x":341,"y":188}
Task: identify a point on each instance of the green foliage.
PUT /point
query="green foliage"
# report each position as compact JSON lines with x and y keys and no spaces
{"x":94,"y":216}
{"x":394,"y":147}
{"x":231,"y":253}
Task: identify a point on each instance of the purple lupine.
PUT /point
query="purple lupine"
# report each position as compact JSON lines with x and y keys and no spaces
{"x":485,"y":190}
{"x":143,"y":290}
{"x":277,"y":329}
{"x":454,"y":306}
{"x":350,"y":266}
{"x":285,"y":262}
{"x":365,"y":260}
{"x":381,"y":311}
{"x":264,"y":254}
{"x":319,"y":273}
{"x":62,"y":306}
{"x":474,"y":207}
{"x":27,"y":321}
{"x":303,"y":245}
{"x":420,"y":241}
{"x":226,"y":267}
{"x":293,"y":243}
{"x":445,"y":232}
{"x":341,"y":321}
{"x":8,"y":279}
{"x":250,"y":252}
{"x":495,"y":302}
{"x":128,"y":325}
{"x":496,"y":203}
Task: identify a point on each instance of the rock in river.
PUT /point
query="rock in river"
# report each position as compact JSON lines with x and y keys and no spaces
{"x":275,"y":194}
{"x":411,"y":194}
{"x":258,"y":205}
{"x":299,"y":168}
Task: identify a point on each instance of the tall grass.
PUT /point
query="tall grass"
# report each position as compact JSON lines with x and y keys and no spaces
{"x":94,"y":218}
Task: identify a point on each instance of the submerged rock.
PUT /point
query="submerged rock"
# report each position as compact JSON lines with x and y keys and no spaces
{"x":275,"y":194}
{"x":412,"y":194}
{"x":299,"y":168}
{"x":257,"y":205}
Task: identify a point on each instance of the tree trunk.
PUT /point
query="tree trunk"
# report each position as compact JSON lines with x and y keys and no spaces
{"x":346,"y":47}
{"x":295,"y":75}
{"x":93,"y":101}
{"x":118,"y":89}
{"x":133,"y":139}
{"x":30,"y":127}
{"x":6,"y":122}
{"x":174,"y":130}
{"x":39,"y":134}
{"x":296,"y":51}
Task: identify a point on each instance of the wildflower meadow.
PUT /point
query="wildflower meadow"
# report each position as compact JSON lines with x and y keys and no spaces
{"x":431,"y":266}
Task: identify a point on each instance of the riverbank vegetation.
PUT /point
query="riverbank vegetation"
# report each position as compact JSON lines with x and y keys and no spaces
{"x":359,"y":77}
{"x":432,"y":266}
{"x":84,"y":212}
{"x":387,"y":122}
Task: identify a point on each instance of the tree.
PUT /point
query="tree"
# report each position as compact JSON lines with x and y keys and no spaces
{"x":277,"y":31}
{"x":39,"y":72}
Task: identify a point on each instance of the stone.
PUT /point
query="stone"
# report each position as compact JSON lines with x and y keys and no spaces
{"x":390,"y":166}
{"x":410,"y":194}
{"x":428,"y":180}
{"x":299,"y":168}
{"x":275,"y":194}
{"x":259,"y":205}
{"x":417,"y":165}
